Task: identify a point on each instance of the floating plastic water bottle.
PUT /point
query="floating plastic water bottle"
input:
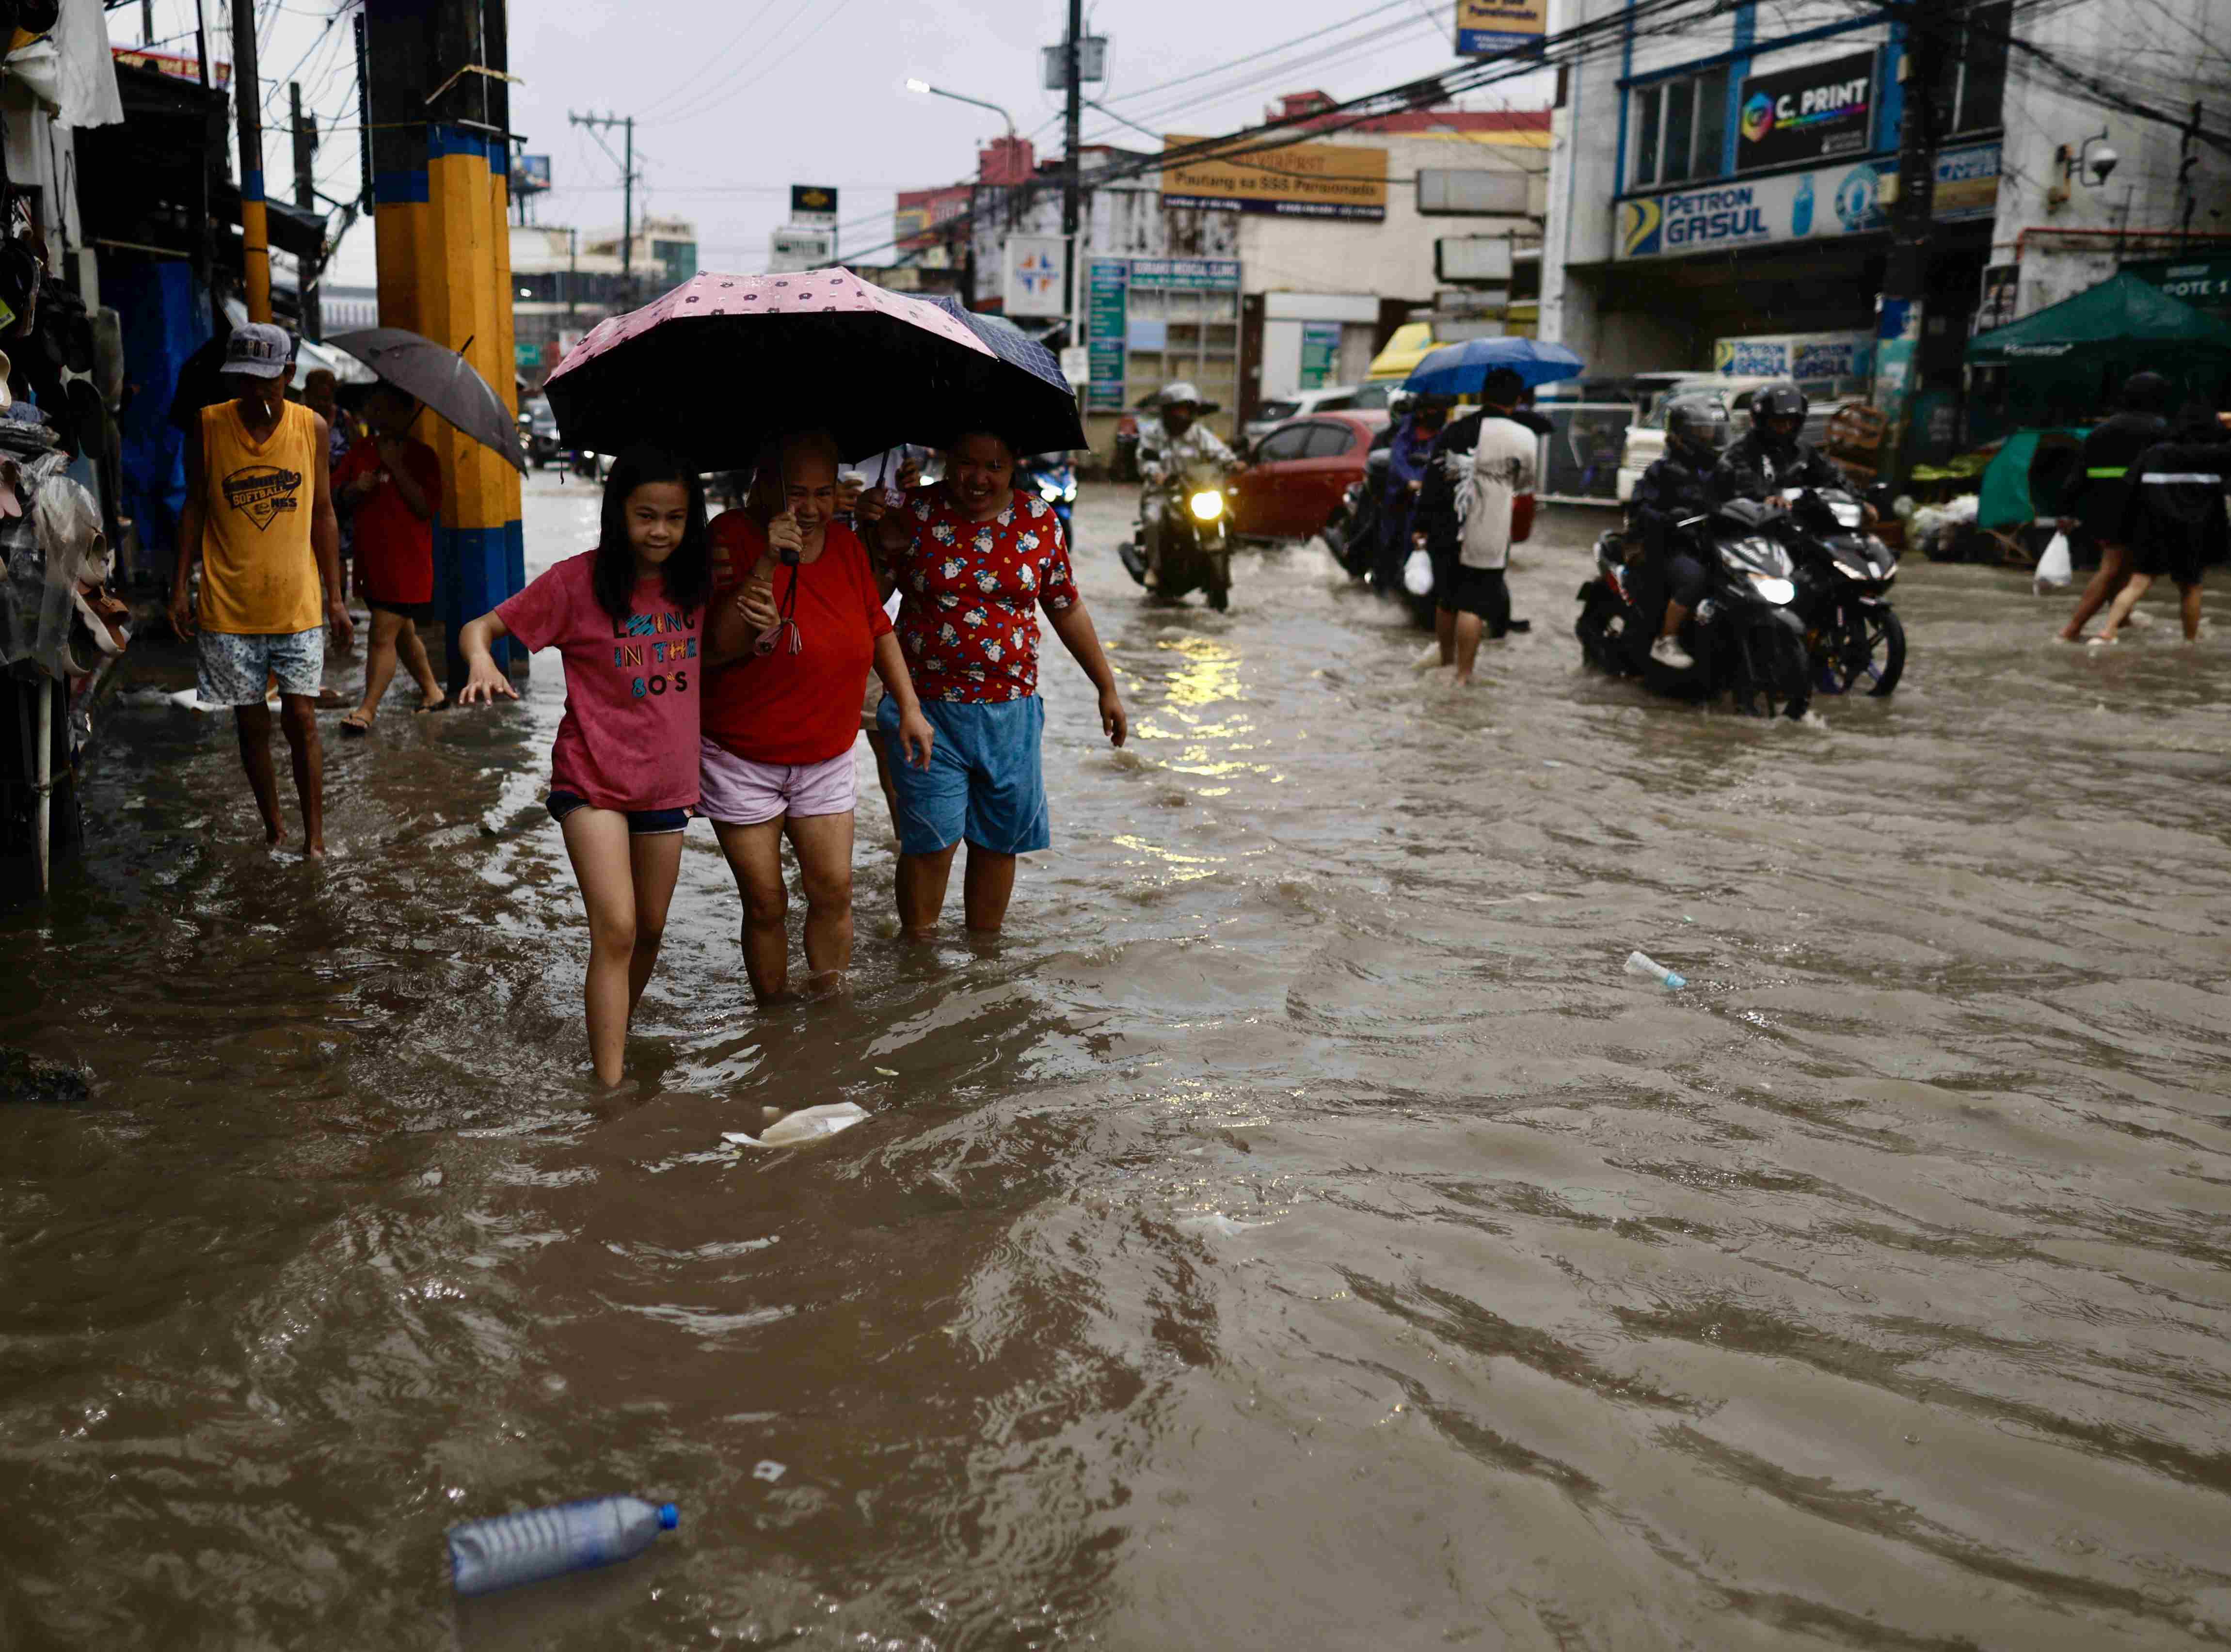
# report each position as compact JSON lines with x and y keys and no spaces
{"x":538,"y":1543}
{"x":1639,"y":963}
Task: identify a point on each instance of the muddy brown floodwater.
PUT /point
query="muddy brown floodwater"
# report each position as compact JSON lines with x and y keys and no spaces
{"x":1297,"y":1232}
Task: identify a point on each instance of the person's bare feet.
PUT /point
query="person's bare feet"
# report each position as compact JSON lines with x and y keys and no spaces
{"x":2105,"y":639}
{"x":316,"y":850}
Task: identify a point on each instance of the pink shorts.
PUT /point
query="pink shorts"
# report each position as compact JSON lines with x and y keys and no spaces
{"x":737,"y":791}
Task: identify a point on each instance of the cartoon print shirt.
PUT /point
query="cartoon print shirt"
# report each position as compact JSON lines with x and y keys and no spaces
{"x":967,"y":624}
{"x":629,"y":737}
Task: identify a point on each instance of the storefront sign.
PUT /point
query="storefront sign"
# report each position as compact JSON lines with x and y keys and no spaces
{"x":1795,"y":206}
{"x":1299,"y":181}
{"x":1796,"y":355}
{"x":1166,"y":274}
{"x":1107,"y":302}
{"x":2204,"y":283}
{"x":1320,"y":353}
{"x":1036,"y":272}
{"x":1810,"y":113}
{"x":1484,"y":26}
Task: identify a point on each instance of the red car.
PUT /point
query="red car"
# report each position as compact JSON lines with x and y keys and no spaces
{"x":1302,"y":471}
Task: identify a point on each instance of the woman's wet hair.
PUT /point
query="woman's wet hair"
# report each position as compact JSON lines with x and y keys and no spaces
{"x":688,"y":574}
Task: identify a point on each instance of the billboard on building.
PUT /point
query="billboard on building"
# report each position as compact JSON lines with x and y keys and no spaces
{"x":1795,"y":206}
{"x":813,"y":204}
{"x":530,"y":174}
{"x":1484,"y":26}
{"x":1296,"y":181}
{"x":1036,"y":276}
{"x":800,"y":247}
{"x":1796,"y":355}
{"x":1792,"y":116}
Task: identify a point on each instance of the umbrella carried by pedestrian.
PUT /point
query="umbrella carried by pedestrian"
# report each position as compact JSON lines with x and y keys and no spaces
{"x":1032,"y":392}
{"x":723,"y":364}
{"x":1462,"y":369}
{"x":438,"y":377}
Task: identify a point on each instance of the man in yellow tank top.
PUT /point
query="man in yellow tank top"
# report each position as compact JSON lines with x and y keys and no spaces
{"x":260,"y":515}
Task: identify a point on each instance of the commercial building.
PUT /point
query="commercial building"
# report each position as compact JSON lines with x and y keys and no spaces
{"x":1720,"y":194}
{"x":1254,"y":273}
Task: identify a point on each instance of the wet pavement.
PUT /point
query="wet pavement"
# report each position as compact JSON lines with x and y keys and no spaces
{"x":1296,"y":1231}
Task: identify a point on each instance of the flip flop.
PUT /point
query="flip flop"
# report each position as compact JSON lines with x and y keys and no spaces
{"x":356,"y":725}
{"x":441,"y":705}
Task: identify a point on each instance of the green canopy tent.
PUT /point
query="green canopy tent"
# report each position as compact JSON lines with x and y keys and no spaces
{"x":2024,"y":480}
{"x":2067,"y":364}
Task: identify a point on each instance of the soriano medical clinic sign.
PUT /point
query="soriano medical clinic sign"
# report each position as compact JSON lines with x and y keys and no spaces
{"x":1797,"y":115}
{"x":1795,"y":206}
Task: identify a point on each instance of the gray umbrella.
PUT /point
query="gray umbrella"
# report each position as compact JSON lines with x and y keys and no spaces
{"x":442,"y":380}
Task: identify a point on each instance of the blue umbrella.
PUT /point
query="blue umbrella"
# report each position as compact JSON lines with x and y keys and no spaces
{"x":1025,"y":394}
{"x":1462,"y":369}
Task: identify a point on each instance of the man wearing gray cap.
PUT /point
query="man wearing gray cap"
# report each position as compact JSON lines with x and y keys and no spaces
{"x":260,"y":515}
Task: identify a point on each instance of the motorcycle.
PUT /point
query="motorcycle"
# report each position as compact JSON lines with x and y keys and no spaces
{"x":1352,"y":531}
{"x":1196,"y":539}
{"x":1844,"y":576}
{"x":1055,"y":478}
{"x":1745,"y":638}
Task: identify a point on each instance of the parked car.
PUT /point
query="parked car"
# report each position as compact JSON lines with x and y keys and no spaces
{"x":537,"y":432}
{"x":1333,"y":398}
{"x":1646,"y":438}
{"x":1301,"y":470}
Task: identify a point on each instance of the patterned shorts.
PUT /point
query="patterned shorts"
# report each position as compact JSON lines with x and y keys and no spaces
{"x":235,"y":667}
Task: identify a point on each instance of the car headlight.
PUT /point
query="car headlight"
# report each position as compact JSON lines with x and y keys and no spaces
{"x":1777,"y":590}
{"x":1207,"y":506}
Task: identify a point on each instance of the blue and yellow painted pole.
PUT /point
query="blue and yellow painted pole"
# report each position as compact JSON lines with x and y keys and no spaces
{"x":247,"y":100}
{"x":440,"y":192}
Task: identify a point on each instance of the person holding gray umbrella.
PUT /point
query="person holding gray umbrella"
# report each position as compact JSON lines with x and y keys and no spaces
{"x":390,"y":485}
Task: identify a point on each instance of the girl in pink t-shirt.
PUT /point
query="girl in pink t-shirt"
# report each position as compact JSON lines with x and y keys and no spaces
{"x":625,"y":617}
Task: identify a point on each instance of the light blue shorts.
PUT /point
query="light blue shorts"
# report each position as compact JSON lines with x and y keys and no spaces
{"x":984,"y":781}
{"x":233,"y":667}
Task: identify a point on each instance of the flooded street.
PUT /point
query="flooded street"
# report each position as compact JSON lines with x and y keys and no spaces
{"x":1296,"y":1231}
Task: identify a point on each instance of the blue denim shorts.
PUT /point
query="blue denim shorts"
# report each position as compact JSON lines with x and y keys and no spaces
{"x":984,"y":781}
{"x":642,"y":823}
{"x":233,"y":667}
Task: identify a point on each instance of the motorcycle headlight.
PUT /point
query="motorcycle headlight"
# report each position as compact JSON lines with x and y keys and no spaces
{"x":1207,"y":506}
{"x":1050,"y":491}
{"x":1780,"y":592}
{"x":1069,"y":493}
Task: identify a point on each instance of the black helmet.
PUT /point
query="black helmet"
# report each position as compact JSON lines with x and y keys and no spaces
{"x":1431,"y":402}
{"x":1782,"y":400}
{"x":1697,"y":425}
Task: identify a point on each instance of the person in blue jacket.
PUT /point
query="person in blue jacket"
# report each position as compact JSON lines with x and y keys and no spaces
{"x":1409,"y":440}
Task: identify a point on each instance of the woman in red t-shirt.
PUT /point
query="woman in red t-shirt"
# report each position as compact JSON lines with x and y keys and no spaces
{"x":391,"y":487}
{"x":625,"y":617}
{"x":791,"y":641}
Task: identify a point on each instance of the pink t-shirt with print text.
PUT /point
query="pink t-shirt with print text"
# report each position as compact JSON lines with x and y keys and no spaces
{"x":629,"y":739}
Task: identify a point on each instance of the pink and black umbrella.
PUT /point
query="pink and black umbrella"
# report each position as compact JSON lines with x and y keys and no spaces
{"x":722,"y":363}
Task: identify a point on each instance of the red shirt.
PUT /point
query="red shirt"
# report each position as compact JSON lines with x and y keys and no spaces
{"x":967,"y":624}
{"x":394,"y":549}
{"x":802,"y":708}
{"x":629,"y":739}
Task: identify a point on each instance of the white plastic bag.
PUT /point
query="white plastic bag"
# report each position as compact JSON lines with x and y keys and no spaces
{"x":808,"y":1124}
{"x":1418,"y":574}
{"x":2054,"y":569}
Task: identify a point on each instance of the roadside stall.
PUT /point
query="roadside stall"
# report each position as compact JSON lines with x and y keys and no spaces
{"x":2066,"y":365}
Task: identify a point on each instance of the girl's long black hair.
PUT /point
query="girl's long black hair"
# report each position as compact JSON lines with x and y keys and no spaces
{"x":689,"y":573}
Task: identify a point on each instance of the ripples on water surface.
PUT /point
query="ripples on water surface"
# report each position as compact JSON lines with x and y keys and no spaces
{"x":1296,"y":1233}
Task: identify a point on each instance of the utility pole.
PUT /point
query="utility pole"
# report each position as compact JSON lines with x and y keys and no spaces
{"x":248,"y":102}
{"x":306,"y":197}
{"x":627,"y":184}
{"x":147,"y":23}
{"x":1905,"y":277}
{"x":1071,"y":174}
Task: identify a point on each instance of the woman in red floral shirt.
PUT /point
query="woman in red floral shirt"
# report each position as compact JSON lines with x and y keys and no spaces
{"x":973,"y":559}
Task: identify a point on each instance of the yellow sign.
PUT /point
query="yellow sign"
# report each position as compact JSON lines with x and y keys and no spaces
{"x":1486,"y":27}
{"x":1296,"y":181}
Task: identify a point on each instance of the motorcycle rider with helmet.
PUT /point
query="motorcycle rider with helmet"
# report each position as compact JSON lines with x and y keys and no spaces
{"x":1170,"y":444}
{"x":1771,"y":458}
{"x":1675,"y":488}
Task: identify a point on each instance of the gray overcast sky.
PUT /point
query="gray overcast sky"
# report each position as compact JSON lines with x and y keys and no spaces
{"x":735,"y":100}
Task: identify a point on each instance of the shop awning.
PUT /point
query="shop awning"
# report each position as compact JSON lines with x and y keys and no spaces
{"x":2107,"y":321}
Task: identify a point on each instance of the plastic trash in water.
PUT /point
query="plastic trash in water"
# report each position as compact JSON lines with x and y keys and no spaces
{"x":807,"y":1124}
{"x":2055,"y":568}
{"x":767,"y":1469}
{"x":1642,"y":964}
{"x":538,"y":1543}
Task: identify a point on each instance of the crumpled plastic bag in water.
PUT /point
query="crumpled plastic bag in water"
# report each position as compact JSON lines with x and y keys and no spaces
{"x":807,"y":1124}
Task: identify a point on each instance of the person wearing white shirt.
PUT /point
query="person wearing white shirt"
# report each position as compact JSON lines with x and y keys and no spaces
{"x":1503,"y":468}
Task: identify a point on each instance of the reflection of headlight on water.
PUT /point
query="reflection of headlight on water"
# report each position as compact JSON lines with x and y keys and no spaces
{"x":1207,"y":506}
{"x":1774,"y":590}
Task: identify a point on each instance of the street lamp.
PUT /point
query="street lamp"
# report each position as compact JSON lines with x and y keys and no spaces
{"x":924,"y":88}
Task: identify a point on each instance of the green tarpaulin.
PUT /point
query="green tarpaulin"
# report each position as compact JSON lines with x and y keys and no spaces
{"x":2068,"y":363}
{"x":2014,"y":477}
